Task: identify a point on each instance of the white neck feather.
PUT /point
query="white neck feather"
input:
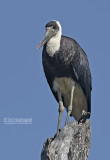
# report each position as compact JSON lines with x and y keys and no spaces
{"x":53,"y":44}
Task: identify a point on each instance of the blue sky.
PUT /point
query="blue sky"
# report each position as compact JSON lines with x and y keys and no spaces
{"x":24,"y":92}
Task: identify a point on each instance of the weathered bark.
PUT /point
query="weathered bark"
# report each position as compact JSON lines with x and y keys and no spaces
{"x":72,"y":143}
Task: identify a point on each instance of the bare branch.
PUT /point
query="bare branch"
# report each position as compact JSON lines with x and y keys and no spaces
{"x":72,"y":143}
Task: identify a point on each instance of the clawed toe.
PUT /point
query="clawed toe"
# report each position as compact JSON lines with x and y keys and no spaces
{"x":83,"y":117}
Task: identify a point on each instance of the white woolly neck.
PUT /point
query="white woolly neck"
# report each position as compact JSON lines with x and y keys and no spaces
{"x":53,"y":44}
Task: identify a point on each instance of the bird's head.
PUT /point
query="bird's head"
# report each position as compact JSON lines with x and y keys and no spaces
{"x":53,"y":29}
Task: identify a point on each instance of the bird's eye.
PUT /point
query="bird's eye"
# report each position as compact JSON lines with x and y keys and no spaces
{"x":54,"y":27}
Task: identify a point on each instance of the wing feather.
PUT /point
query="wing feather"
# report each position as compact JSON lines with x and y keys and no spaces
{"x":81,"y":69}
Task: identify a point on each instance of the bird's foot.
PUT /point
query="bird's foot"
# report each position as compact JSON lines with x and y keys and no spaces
{"x":58,"y":131}
{"x":84,"y":116}
{"x":66,"y":121}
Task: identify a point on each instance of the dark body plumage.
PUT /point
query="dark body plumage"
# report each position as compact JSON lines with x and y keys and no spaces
{"x":70,"y":61}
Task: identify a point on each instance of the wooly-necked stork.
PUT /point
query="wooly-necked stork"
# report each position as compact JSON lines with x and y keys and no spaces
{"x":67,"y":72}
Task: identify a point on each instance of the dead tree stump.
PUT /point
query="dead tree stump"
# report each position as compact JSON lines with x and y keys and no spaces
{"x":72,"y":143}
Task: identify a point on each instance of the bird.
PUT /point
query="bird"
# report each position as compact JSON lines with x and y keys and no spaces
{"x":68,"y":74}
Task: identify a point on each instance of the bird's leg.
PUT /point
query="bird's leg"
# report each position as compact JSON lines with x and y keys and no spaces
{"x":61,"y":109}
{"x":70,"y":107}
